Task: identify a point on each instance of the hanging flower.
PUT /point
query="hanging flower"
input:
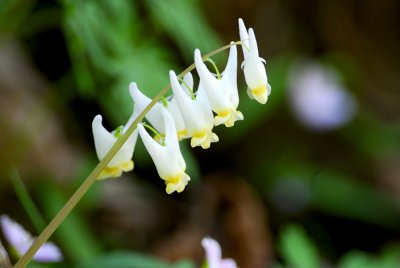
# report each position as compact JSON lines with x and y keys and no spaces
{"x":213,"y":255}
{"x":154,"y":115}
{"x":104,"y":140}
{"x":20,"y":240}
{"x":167,"y":156}
{"x":195,"y":111}
{"x":222,"y":90}
{"x":253,"y":66}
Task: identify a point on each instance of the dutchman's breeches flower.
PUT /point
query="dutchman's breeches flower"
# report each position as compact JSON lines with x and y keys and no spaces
{"x":222,"y":92}
{"x":196,"y":113}
{"x":253,"y":66}
{"x":104,"y":140}
{"x":167,"y":156}
{"x":154,"y":115}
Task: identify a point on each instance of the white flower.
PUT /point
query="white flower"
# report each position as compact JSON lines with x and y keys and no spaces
{"x":154,"y":115}
{"x":318,"y":98}
{"x":213,"y":255}
{"x":196,"y":113}
{"x":167,"y":157}
{"x":21,"y":240}
{"x":222,"y":92}
{"x":253,"y":66}
{"x":104,"y":140}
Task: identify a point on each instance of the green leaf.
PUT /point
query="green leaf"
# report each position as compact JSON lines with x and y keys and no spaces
{"x":357,"y":259}
{"x":132,"y":260}
{"x":297,"y":249}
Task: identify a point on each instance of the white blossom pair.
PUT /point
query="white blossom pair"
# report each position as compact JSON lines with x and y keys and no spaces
{"x":20,"y":241}
{"x":186,"y":113}
{"x":166,"y":156}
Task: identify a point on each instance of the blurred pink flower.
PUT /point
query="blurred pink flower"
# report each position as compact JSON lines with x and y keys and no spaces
{"x":21,"y":240}
{"x":213,"y":255}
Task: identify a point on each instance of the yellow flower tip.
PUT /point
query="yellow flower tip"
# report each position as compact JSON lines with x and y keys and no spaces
{"x":203,"y":138}
{"x":200,"y":138}
{"x":228,"y":118}
{"x":260,"y":94}
{"x":115,"y":172}
{"x":182,"y":134}
{"x":177,"y":183}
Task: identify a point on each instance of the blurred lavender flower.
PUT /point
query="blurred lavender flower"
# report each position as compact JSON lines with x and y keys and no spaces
{"x":318,"y":98}
{"x":213,"y":255}
{"x":20,"y":240}
{"x":4,"y":260}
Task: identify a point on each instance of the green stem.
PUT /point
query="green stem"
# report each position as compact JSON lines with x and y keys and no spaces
{"x":188,"y":88}
{"x":215,"y":68}
{"x":26,"y":200}
{"x":89,"y":181}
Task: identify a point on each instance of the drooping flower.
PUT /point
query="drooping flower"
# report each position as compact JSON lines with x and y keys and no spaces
{"x":318,"y":98}
{"x":253,"y":66}
{"x":154,"y":115}
{"x":195,"y":111}
{"x":167,"y":156}
{"x":104,"y":140}
{"x":214,"y":256}
{"x":20,"y":240}
{"x":222,"y":92}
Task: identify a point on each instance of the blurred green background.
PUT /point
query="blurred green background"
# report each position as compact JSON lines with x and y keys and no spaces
{"x":278,"y":190}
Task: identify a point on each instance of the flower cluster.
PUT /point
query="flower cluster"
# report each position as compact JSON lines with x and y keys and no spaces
{"x":20,"y":241}
{"x":186,"y":114}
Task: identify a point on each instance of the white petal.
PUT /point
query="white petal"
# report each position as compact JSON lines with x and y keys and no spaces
{"x":253,"y":48}
{"x":165,"y":161}
{"x":171,"y":137}
{"x":103,"y":139}
{"x":196,"y":114}
{"x":244,"y":38}
{"x":217,"y":92}
{"x":229,"y":76}
{"x":173,"y":109}
{"x":141,"y":102}
{"x":188,"y":79}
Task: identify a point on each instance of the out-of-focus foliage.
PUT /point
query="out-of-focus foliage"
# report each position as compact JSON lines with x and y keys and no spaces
{"x":133,"y":260}
{"x":299,"y":251}
{"x":340,"y":185}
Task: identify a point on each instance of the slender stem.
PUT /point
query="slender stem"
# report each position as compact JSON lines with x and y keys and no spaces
{"x":26,"y":200}
{"x":89,"y":181}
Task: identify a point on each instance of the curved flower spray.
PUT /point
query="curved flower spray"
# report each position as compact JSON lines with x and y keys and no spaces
{"x":191,"y":113}
{"x":216,"y":93}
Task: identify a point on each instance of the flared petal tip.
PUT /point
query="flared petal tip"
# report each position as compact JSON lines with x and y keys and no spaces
{"x":178,"y":185}
{"x":97,"y":120}
{"x":132,"y":89}
{"x":260,"y":94}
{"x":115,"y":172}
